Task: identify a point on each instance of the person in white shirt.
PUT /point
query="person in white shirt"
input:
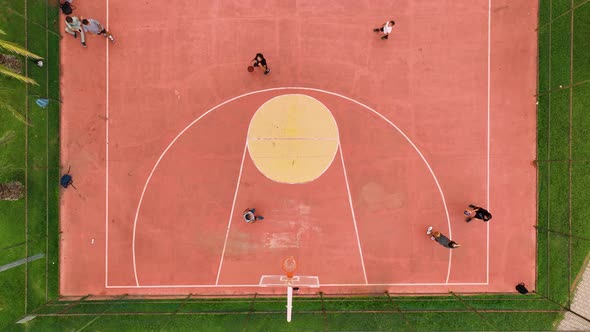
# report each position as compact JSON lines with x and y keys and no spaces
{"x":73,"y":27}
{"x":386,"y":29}
{"x":94,"y":26}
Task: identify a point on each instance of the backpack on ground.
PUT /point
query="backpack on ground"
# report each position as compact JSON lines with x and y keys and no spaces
{"x":66,"y":7}
{"x":521,"y":288}
{"x":66,"y":180}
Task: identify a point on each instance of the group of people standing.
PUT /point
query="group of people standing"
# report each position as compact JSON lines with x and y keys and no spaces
{"x":80,"y":26}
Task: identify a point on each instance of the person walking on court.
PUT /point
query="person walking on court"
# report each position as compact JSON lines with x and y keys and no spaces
{"x":73,"y":26}
{"x":441,"y":239}
{"x":386,"y":29}
{"x":94,"y":26}
{"x":260,"y":61}
{"x":476,"y":212}
{"x":249,"y":216}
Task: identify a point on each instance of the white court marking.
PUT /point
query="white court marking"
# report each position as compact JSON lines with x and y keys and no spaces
{"x":349,"y":200}
{"x":279,"y":89}
{"x":320,"y":285}
{"x":135,"y":221}
{"x":106,"y":247}
{"x":356,"y":231}
{"x":233,"y":205}
{"x":446,"y":210}
{"x":488,"y":133}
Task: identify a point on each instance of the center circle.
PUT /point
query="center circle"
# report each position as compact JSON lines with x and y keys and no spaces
{"x":293,"y":138}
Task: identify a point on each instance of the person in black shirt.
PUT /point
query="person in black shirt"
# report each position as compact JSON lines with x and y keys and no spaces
{"x":260,"y":61}
{"x":441,"y":239}
{"x":249,"y":216}
{"x":476,"y":212}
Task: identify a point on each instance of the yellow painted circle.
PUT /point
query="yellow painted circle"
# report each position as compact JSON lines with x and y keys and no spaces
{"x":293,"y":138}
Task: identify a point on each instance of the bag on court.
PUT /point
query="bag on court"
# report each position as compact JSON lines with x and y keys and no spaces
{"x":521,"y":288}
{"x":66,"y":180}
{"x":66,"y":7}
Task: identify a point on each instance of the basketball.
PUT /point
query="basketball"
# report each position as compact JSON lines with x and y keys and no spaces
{"x":250,"y":68}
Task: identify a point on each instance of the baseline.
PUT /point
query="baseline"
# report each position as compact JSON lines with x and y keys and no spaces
{"x":320,"y":285}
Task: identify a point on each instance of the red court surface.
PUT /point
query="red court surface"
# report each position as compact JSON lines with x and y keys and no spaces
{"x":439,"y":116}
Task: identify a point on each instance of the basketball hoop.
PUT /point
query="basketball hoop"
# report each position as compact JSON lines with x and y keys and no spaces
{"x":290,"y":280}
{"x":289,"y":266}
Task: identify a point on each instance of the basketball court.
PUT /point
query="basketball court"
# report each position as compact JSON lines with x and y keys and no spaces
{"x":350,"y":148}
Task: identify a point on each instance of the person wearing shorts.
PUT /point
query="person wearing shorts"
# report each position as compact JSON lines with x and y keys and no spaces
{"x":94,"y":26}
{"x":441,"y":239}
{"x":386,"y":29}
{"x":249,"y":216}
{"x":476,"y":212}
{"x":73,"y":26}
{"x":260,"y":61}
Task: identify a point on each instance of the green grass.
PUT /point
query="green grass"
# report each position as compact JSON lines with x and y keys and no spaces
{"x":558,"y":197}
{"x":560,"y":51}
{"x":353,"y":304}
{"x":559,"y":125}
{"x":430,"y":304}
{"x":554,"y":269}
{"x":581,"y":33}
{"x":542,"y":263}
{"x":12,"y":227}
{"x":57,"y":324}
{"x":517,"y":304}
{"x":447,"y":321}
{"x":559,"y":7}
{"x":26,"y":157}
{"x":217,"y":306}
{"x":130,"y":323}
{"x":516,"y":321}
{"x":544,"y":83}
{"x":558,"y":267}
{"x":544,"y":9}
{"x":580,"y":213}
{"x":365,"y":322}
{"x":581,"y":122}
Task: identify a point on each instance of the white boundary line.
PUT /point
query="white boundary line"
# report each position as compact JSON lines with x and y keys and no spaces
{"x":356,"y":231}
{"x":316,"y":284}
{"x":488,"y":133}
{"x":106,"y":249}
{"x":320,"y":285}
{"x":233,"y":205}
{"x":279,"y":89}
